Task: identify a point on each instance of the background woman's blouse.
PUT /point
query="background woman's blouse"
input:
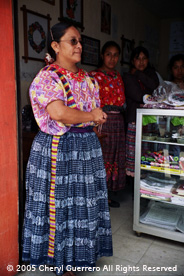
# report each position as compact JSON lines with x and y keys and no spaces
{"x":111,"y":87}
{"x":47,"y":87}
{"x":136,"y":86}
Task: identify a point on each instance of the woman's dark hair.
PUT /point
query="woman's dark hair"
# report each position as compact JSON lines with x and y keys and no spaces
{"x":110,"y":44}
{"x":136,"y":52}
{"x":104,"y":48}
{"x":172,"y":61}
{"x":55,"y":34}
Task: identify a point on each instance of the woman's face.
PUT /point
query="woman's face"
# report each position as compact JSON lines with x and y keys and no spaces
{"x":141,"y":62}
{"x":110,"y":58}
{"x":67,"y":51}
{"x":178,"y":71}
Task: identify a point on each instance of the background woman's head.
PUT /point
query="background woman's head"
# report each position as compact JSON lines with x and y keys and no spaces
{"x":176,"y":66}
{"x":110,"y":55}
{"x":140,"y":58}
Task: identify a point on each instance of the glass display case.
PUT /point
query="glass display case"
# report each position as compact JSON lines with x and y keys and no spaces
{"x":159,"y":173}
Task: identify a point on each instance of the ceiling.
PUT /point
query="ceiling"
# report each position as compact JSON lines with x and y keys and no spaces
{"x":164,"y":9}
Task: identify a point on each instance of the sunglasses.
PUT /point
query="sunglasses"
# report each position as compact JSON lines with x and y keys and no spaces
{"x":72,"y":41}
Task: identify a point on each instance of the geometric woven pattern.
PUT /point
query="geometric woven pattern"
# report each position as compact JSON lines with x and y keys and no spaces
{"x":52,"y":207}
{"x":52,"y":83}
{"x":70,"y":99}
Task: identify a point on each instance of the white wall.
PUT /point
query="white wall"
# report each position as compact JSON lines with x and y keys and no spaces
{"x":127,"y":18}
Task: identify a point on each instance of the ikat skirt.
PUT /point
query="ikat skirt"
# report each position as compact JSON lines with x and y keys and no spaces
{"x":66,"y":221}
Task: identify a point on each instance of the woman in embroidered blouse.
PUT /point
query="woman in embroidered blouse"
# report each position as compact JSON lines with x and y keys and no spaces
{"x":67,"y":222}
{"x":112,"y":101}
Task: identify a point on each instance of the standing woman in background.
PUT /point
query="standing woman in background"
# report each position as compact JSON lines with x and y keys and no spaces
{"x":67,"y":221}
{"x":112,"y":101}
{"x":176,"y":66}
{"x":142,"y":79}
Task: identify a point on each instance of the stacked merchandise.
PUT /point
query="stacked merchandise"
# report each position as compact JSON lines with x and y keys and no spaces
{"x":178,"y":193}
{"x":158,"y":159}
{"x":157,"y":186}
{"x":164,"y":216}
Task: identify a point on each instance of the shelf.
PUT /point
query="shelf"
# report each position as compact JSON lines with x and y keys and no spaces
{"x":162,"y":200}
{"x":165,"y":143}
{"x":162,"y":170}
{"x":157,"y":231}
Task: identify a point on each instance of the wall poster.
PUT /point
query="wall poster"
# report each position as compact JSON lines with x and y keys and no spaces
{"x":105,"y":17}
{"x":72,"y":10}
{"x":90,"y":51}
{"x":36,"y":28}
{"x":127,"y":47}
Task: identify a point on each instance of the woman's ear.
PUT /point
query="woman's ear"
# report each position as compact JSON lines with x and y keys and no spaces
{"x":55,"y":46}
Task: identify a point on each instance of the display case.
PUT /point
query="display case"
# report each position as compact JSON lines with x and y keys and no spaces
{"x":159,"y":173}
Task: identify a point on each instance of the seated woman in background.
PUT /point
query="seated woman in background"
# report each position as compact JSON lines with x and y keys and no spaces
{"x":112,"y":101}
{"x":142,"y":79}
{"x":176,"y":66}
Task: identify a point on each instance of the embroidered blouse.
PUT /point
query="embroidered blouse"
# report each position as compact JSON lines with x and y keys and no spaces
{"x":111,"y":87}
{"x":48,"y":87}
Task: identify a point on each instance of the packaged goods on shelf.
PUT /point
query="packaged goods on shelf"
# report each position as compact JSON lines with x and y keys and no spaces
{"x":164,"y":216}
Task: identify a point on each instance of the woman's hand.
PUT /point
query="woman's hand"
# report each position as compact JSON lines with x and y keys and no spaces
{"x":99,"y":117}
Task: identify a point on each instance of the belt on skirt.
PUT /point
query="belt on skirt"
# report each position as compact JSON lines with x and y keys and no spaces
{"x":81,"y":129}
{"x":112,"y":112}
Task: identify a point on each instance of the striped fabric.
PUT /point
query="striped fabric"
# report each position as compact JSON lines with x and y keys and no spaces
{"x":130,"y":149}
{"x":113,"y":148}
{"x":52,"y":207}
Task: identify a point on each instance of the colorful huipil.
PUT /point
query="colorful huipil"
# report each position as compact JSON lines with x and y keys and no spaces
{"x":48,"y":87}
{"x":111,"y":87}
{"x":67,"y":218}
{"x":112,"y":98}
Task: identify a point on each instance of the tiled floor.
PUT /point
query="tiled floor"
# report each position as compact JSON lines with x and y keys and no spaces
{"x":132,"y":254}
